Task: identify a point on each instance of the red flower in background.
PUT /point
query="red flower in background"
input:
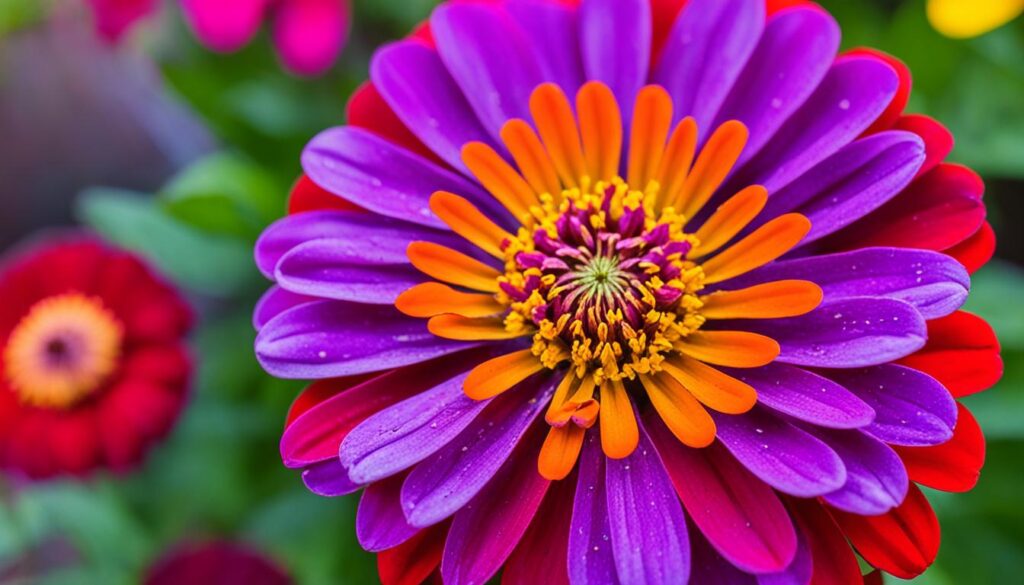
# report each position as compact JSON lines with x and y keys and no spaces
{"x":215,"y":563}
{"x":93,"y":365}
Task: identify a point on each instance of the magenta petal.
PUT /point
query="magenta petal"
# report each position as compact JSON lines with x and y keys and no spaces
{"x":783,"y":456}
{"x":704,"y":54}
{"x":408,"y":432}
{"x":484,"y":533}
{"x":798,"y":572}
{"x":329,"y":479}
{"x":224,"y":25}
{"x":806,"y":396}
{"x":648,"y":529}
{"x":913,"y":409}
{"x":491,"y":59}
{"x":590,"y":552}
{"x":709,"y":567}
{"x":414,"y":82}
{"x":380,"y":524}
{"x":738,"y":513}
{"x":328,"y":339}
{"x":615,"y":41}
{"x":309,"y":34}
{"x":795,"y":51}
{"x":440,"y":485}
{"x":876,"y":480}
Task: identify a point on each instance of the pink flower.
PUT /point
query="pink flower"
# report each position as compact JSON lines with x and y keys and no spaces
{"x":309,"y":34}
{"x":113,"y":18}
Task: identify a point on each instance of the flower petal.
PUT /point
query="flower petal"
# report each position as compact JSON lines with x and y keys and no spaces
{"x":380,"y":524}
{"x":962,"y":353}
{"x":590,"y":554}
{"x":622,"y":64}
{"x":953,"y":466}
{"x":876,"y":480}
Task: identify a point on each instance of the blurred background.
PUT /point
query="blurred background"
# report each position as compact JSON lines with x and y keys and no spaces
{"x":177,"y":152}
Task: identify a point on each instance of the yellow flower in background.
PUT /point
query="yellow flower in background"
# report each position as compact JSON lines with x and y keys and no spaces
{"x":962,"y":19}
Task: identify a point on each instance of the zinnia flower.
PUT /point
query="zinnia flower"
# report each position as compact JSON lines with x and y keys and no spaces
{"x":215,"y":563}
{"x":963,"y":19}
{"x":308,"y":34}
{"x":633,"y":293}
{"x":94,"y":369}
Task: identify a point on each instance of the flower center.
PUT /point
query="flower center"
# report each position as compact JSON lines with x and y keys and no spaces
{"x":62,"y":350}
{"x":603,"y":280}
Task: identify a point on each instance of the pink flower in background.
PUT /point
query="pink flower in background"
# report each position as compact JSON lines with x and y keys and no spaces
{"x":308,"y":34}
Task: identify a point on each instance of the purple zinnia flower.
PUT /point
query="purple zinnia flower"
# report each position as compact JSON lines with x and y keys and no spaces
{"x":596,"y":299}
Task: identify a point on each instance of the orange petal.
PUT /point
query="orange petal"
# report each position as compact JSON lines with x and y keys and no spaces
{"x":727,"y":221}
{"x":498,"y":374}
{"x":467,"y":221}
{"x":530,"y":156}
{"x":737,"y":349}
{"x":713,"y":164}
{"x":714,"y":389}
{"x":560,"y":451}
{"x":471,"y":329}
{"x":682,"y":413}
{"x":675,"y":164}
{"x":652,"y":117}
{"x":556,"y":123}
{"x":771,"y":300}
{"x":433,"y":298}
{"x":566,"y":388}
{"x":767,"y":243}
{"x":601,"y":129}
{"x":499,"y":178}
{"x":619,"y":433}
{"x":452,"y":267}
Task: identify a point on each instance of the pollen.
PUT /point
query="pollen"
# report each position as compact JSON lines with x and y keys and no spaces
{"x":62,"y":350}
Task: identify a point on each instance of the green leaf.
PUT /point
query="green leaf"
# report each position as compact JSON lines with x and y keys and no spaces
{"x":993,"y":290}
{"x":207,"y":264}
{"x":224,"y":194}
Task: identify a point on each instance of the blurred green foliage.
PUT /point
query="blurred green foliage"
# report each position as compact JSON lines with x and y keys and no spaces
{"x":220,"y":474}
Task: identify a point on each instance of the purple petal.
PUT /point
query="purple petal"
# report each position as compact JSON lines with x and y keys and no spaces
{"x":441,"y":485}
{"x":327,"y":339}
{"x":851,"y":96}
{"x":798,"y":572}
{"x":615,"y":40}
{"x":274,"y":302}
{"x":329,"y":479}
{"x":406,"y":433}
{"x":934,"y":283}
{"x":380,"y":524}
{"x":490,"y":58}
{"x":331,"y":269}
{"x":382,"y":177}
{"x":738,"y":513}
{"x":858,"y":179}
{"x":783,"y":456}
{"x":707,"y":566}
{"x":795,"y":51}
{"x":648,"y":529}
{"x":590,"y":552}
{"x":847,"y":333}
{"x":913,"y":409}
{"x":415,"y":84}
{"x":876,"y":480}
{"x":484,"y":533}
{"x":806,"y":396}
{"x":553,"y":29}
{"x":704,"y":54}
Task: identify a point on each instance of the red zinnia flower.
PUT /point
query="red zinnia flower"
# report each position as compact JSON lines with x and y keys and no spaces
{"x":93,"y":368}
{"x":215,"y":563}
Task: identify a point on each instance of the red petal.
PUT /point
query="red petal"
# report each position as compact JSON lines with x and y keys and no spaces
{"x":165,"y":365}
{"x":892,"y":112}
{"x":308,"y":196}
{"x":938,"y":140}
{"x":774,"y":6}
{"x":367,"y":109}
{"x":953,"y":466}
{"x":663,"y":18}
{"x":962,"y":353}
{"x":320,"y":391}
{"x":413,"y":561}
{"x":937,"y":211}
{"x":74,"y":443}
{"x":873,"y":578}
{"x":902,"y":542}
{"x":542,"y":554}
{"x":977,"y":250}
{"x":834,"y":561}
